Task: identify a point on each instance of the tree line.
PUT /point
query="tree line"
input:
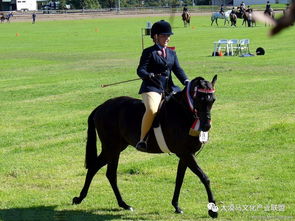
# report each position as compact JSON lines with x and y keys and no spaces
{"x":96,"y":4}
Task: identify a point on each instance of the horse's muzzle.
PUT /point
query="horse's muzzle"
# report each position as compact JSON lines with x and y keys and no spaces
{"x":205,"y":127}
{"x":205,"y":122}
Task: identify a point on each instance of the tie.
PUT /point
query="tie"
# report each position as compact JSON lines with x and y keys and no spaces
{"x":164,"y":52}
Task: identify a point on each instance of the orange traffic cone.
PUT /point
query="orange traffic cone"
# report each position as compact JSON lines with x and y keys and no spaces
{"x":220,"y":53}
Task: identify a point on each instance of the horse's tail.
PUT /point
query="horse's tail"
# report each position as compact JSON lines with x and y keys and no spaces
{"x":91,"y":149}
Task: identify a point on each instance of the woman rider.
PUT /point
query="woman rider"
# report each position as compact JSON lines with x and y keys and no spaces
{"x":155,"y":66}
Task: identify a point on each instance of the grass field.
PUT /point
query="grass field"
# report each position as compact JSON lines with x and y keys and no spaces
{"x":50,"y":80}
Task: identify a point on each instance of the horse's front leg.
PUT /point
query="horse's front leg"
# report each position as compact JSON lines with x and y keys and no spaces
{"x":179,"y":180}
{"x":190,"y":161}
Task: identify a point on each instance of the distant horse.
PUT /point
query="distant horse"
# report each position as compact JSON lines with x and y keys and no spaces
{"x":186,"y":18}
{"x":117,"y":123}
{"x":2,"y":17}
{"x":217,"y":15}
{"x":248,"y":19}
{"x":5,"y":17}
{"x":233,"y":19}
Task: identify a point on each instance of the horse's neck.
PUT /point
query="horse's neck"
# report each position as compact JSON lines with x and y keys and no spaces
{"x":178,"y":102}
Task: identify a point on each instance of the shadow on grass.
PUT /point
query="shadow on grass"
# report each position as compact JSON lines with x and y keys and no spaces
{"x":49,"y":213}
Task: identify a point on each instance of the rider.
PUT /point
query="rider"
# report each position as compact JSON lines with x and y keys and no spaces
{"x":249,"y":9}
{"x":233,"y":11}
{"x":221,"y":10}
{"x":267,"y":7}
{"x":243,"y":6}
{"x":155,"y":66}
{"x":185,"y":9}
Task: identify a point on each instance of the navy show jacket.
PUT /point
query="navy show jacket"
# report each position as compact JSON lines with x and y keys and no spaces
{"x":152,"y":61}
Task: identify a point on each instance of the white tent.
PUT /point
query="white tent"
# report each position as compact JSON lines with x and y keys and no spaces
{"x":28,"y":5}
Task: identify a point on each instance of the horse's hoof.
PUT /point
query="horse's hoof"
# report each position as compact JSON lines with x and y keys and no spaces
{"x":178,"y":211}
{"x":126,"y":207}
{"x":212,"y":210}
{"x":131,"y":209}
{"x":213,"y":214}
{"x":76,"y":200}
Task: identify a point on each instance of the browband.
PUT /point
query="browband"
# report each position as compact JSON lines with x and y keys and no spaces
{"x":208,"y":91}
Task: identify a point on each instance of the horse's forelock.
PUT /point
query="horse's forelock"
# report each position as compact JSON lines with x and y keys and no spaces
{"x":201,"y":83}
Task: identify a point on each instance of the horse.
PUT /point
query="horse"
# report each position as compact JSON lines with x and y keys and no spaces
{"x":5,"y":17}
{"x":186,"y":18}
{"x":217,"y":15}
{"x":2,"y":18}
{"x":233,"y":19}
{"x":248,"y":19}
{"x":117,"y":123}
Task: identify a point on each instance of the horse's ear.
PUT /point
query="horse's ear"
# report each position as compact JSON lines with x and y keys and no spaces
{"x":214,"y":80}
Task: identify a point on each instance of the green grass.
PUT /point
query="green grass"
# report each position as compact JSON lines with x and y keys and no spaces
{"x":50,"y":81}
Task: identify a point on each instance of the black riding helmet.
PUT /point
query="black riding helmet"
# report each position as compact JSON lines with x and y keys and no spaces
{"x":161,"y":27}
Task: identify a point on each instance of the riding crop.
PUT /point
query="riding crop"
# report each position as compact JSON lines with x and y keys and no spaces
{"x":120,"y":82}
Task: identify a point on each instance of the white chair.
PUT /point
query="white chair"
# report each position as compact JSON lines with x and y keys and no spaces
{"x":221,"y":46}
{"x":234,"y":46}
{"x":244,"y":46}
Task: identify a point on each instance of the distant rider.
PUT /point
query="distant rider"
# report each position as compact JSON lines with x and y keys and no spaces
{"x":243,"y":6}
{"x":267,"y":8}
{"x":221,"y":10}
{"x":185,"y":9}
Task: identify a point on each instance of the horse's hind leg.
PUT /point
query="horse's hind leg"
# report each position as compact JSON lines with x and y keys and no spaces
{"x":112,"y":177}
{"x":90,"y":174}
{"x":179,"y":180}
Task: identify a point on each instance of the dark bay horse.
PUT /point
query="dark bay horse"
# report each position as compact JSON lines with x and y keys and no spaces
{"x":117,"y":123}
{"x":186,"y":18}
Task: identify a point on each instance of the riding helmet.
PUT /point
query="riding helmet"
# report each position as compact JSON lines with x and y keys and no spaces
{"x":260,"y":51}
{"x":161,"y":27}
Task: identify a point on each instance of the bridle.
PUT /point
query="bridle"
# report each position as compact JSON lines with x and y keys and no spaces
{"x":190,"y":99}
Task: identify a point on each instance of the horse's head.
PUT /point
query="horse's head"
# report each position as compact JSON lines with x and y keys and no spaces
{"x":200,"y":95}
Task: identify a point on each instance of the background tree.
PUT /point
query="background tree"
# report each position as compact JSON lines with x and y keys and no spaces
{"x":62,"y":4}
{"x":107,"y":3}
{"x":90,"y":4}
